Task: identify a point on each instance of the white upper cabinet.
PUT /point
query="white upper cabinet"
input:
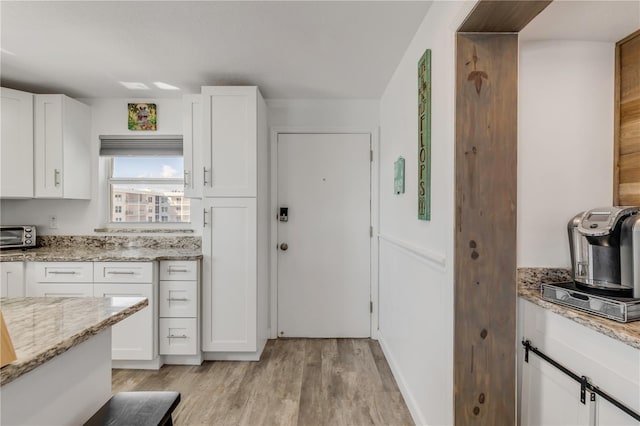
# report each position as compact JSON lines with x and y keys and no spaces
{"x":62,"y":148}
{"x":192,"y":145}
{"x":229,"y":138}
{"x":16,"y":144}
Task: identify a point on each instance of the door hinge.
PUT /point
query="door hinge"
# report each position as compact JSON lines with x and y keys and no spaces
{"x":370,"y":307}
{"x":371,"y":231}
{"x":371,"y":155}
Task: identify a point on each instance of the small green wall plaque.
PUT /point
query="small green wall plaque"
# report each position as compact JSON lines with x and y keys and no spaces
{"x":398,"y":176}
{"x":424,"y":136}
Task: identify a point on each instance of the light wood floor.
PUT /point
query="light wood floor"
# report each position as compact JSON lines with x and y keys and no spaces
{"x":298,"y":382}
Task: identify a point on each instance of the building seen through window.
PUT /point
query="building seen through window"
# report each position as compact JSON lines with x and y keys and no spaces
{"x":148,"y":189}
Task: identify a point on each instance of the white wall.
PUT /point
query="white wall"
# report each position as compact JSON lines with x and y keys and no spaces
{"x":323,"y":113}
{"x":565,"y":149}
{"x":109,"y":116}
{"x":416,"y":257}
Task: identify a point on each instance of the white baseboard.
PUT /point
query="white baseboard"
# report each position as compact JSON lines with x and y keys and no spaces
{"x":154,"y":364}
{"x":183,"y":359}
{"x":236,"y":356}
{"x":231,"y":356}
{"x":416,"y":414}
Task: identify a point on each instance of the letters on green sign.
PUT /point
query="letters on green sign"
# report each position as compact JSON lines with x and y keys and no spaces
{"x":424,"y":136}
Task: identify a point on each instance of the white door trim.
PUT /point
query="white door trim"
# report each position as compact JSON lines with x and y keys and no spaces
{"x":374,"y":134}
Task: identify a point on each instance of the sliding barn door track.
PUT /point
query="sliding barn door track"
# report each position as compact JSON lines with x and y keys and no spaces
{"x":585,"y":384}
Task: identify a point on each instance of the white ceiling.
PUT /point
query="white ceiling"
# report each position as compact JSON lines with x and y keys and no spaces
{"x":290,"y":49}
{"x":604,"y":20}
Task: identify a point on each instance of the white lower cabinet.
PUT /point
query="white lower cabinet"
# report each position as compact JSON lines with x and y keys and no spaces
{"x":550,"y":397}
{"x":168,"y":326}
{"x":133,"y":338}
{"x":179,"y":302}
{"x":229,"y":275}
{"x":12,"y":279}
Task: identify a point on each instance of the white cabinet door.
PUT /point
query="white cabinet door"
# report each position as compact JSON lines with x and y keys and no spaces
{"x":192,"y":145}
{"x":229,"y":270}
{"x":16,"y":144}
{"x":48,"y":146}
{"x":229,"y":136}
{"x":608,"y":414}
{"x":12,"y":279}
{"x":60,"y":290}
{"x":62,"y":148}
{"x":549,"y":397}
{"x":133,"y":338}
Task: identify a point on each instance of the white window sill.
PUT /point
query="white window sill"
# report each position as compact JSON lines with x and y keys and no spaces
{"x":123,"y":230}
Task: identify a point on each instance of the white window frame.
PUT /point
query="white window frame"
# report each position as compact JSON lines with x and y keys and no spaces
{"x":108,"y":207}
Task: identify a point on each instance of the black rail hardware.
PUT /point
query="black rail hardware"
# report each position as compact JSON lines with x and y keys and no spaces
{"x":585,"y":384}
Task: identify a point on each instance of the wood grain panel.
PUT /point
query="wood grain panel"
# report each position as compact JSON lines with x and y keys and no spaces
{"x":7,"y":352}
{"x":629,"y":65}
{"x":630,"y":194}
{"x":629,"y":165}
{"x":502,"y":16}
{"x":627,"y":121}
{"x":485,"y":239}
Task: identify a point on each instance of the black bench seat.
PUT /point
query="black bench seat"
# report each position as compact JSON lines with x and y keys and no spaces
{"x":137,"y":408}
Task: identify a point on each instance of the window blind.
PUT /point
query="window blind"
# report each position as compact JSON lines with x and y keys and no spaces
{"x":147,"y":145}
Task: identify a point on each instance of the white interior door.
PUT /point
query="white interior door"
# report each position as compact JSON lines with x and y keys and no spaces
{"x":324,"y":273}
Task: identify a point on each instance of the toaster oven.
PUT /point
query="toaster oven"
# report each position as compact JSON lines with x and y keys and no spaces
{"x":17,"y":236}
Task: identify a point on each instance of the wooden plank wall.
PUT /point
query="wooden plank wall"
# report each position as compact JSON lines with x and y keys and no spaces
{"x":485,"y":237}
{"x":627,"y":122}
{"x":501,"y":16}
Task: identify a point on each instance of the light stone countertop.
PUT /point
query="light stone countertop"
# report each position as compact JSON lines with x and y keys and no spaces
{"x":529,"y":283}
{"x":43,"y":328}
{"x":100,"y":254}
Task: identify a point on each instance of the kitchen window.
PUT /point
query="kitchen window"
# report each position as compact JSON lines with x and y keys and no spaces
{"x":144,"y":184}
{"x":145,"y":179}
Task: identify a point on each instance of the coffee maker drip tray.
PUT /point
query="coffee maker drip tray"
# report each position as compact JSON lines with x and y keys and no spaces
{"x":621,"y":309}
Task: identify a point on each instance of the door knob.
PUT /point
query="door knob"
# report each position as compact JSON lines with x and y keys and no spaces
{"x":284,"y":246}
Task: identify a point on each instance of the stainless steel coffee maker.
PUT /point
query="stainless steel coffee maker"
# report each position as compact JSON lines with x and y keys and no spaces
{"x":605,"y":251}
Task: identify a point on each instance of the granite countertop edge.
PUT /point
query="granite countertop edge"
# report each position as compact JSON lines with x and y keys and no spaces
{"x":529,"y":283}
{"x":100,"y":255}
{"x":11,"y":372}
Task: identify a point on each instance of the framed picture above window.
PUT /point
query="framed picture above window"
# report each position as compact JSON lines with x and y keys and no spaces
{"x":142,"y":116}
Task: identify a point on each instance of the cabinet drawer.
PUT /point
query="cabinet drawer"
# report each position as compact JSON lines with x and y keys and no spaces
{"x":178,"y":270}
{"x":60,"y":290}
{"x":178,"y":299}
{"x":61,"y":272}
{"x":123,"y":272}
{"x":178,"y":336}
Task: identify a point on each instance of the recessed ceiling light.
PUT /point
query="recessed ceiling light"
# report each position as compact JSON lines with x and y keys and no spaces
{"x":134,"y":86}
{"x":165,"y":86}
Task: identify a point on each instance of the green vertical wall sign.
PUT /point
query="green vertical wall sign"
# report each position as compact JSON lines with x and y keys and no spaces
{"x":424,"y":136}
{"x":398,"y":176}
